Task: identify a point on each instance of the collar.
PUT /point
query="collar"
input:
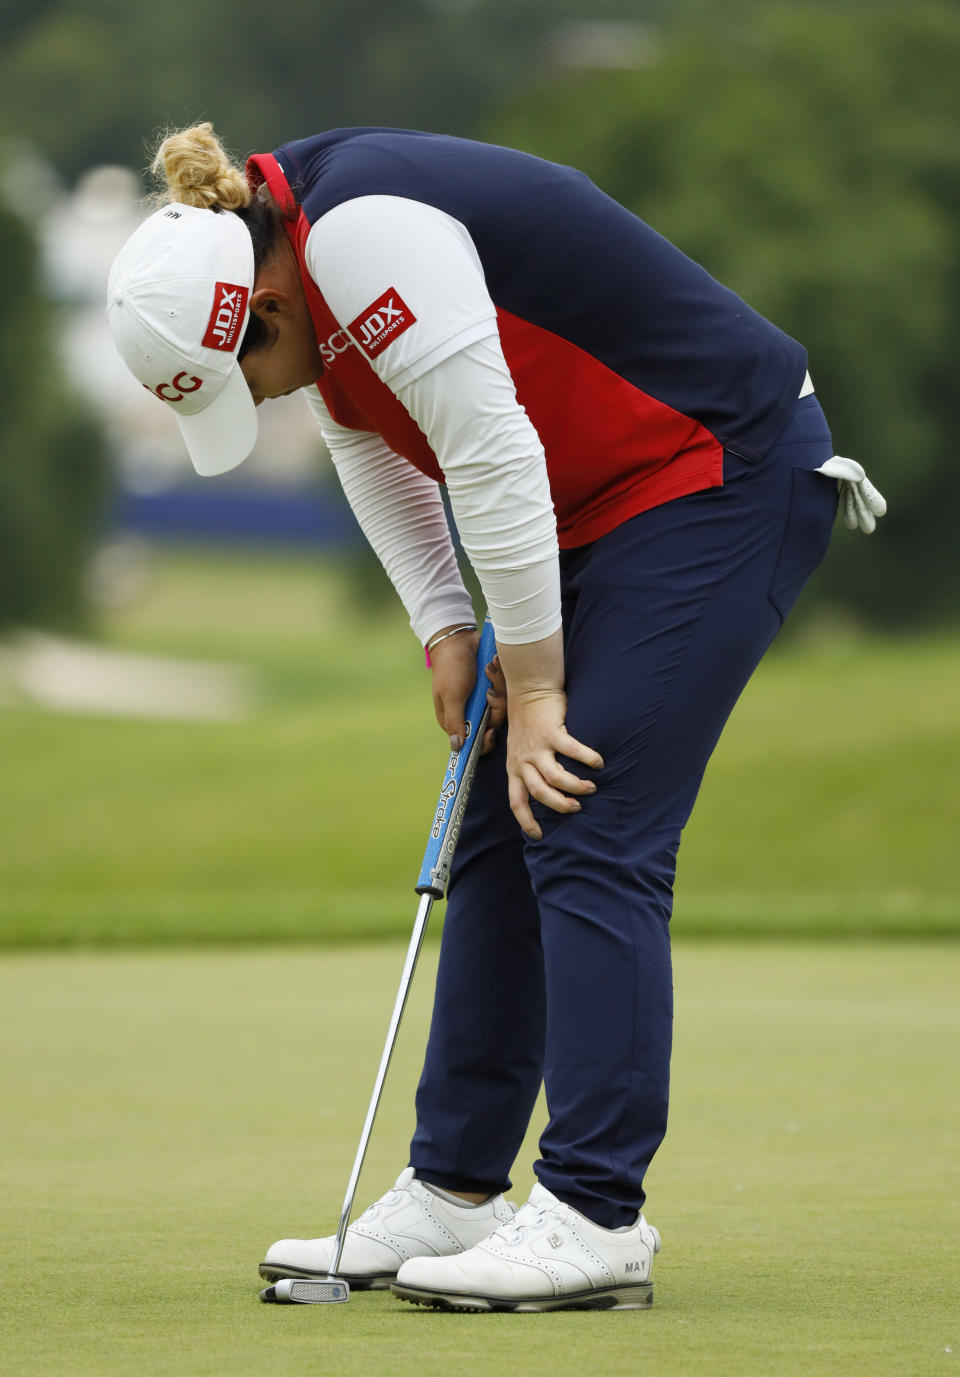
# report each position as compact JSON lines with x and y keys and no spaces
{"x":264,"y":168}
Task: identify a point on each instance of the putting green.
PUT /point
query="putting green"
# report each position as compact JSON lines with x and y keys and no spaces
{"x":166,"y":1116}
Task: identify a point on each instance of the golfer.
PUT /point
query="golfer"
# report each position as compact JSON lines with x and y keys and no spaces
{"x":643,"y":480}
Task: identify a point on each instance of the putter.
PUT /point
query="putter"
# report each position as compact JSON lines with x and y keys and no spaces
{"x":431,"y":885}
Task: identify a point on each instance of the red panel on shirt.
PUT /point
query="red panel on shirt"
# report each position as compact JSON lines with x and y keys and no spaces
{"x":612,"y":450}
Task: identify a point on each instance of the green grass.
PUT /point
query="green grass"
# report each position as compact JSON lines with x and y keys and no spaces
{"x":167,"y":1115}
{"x":830,"y":807}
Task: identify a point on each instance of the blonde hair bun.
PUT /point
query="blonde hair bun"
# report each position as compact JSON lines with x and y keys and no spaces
{"x":199,"y":171}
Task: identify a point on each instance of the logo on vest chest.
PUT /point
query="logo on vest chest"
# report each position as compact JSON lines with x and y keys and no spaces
{"x":381,"y":323}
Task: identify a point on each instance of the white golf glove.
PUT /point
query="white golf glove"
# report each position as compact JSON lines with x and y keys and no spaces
{"x":860,"y":502}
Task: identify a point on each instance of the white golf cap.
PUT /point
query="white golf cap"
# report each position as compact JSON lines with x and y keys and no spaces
{"x":177,"y":306}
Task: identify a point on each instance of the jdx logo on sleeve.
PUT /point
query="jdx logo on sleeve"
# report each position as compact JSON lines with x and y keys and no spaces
{"x":229,"y":308}
{"x":381,"y":323}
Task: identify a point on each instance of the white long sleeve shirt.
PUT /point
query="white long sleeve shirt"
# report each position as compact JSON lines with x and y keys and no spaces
{"x":457,"y":387}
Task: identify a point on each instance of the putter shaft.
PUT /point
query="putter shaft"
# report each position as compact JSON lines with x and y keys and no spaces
{"x":431,"y":885}
{"x":406,"y":979}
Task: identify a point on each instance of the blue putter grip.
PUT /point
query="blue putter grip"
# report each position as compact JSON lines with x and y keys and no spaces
{"x":448,"y":816}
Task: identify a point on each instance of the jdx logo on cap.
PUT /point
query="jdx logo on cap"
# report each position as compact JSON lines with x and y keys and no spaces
{"x":229,"y":308}
{"x":381,"y":323}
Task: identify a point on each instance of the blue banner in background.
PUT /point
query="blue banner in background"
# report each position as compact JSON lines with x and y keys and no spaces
{"x":238,"y":513}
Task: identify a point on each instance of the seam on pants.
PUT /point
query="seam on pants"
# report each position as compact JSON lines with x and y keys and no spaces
{"x":628,"y":1098}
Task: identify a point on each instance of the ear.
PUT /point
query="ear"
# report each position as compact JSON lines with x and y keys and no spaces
{"x":269,"y":301}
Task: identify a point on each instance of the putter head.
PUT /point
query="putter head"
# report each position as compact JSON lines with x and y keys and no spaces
{"x":306,"y":1291}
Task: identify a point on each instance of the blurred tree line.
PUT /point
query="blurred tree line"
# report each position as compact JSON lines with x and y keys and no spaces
{"x":805,"y":152}
{"x":52,"y":458}
{"x":808,"y":156}
{"x":90,"y":79}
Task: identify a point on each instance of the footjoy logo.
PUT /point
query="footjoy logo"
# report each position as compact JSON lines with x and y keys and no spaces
{"x":229,"y":308}
{"x":381,"y":323}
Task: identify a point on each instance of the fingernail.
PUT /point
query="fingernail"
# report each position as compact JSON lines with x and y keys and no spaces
{"x":592,"y":789}
{"x":535,"y":836}
{"x":455,"y":743}
{"x":576,"y":807}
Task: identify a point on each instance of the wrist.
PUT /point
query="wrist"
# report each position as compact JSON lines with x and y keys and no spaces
{"x":534,"y":670}
{"x":444,"y":634}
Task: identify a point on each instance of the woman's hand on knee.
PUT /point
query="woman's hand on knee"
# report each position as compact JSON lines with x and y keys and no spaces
{"x":537,"y":735}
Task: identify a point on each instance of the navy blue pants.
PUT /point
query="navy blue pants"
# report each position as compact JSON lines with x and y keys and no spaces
{"x":555,"y":961}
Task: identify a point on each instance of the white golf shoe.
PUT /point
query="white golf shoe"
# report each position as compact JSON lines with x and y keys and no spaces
{"x":409,"y":1221}
{"x":547,"y":1257}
